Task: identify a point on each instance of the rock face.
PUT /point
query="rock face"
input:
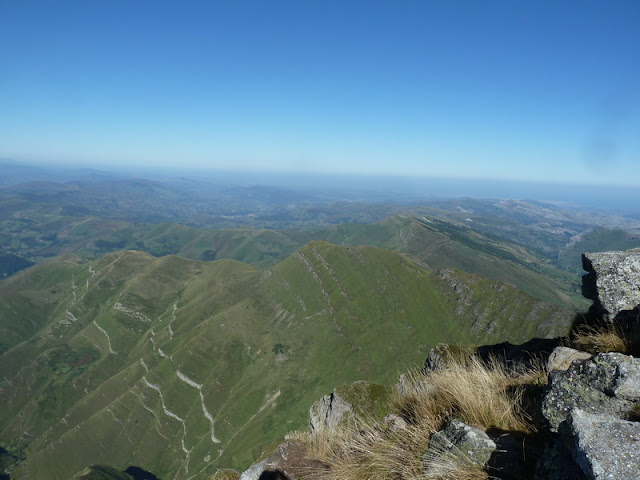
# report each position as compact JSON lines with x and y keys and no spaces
{"x":562,"y":357}
{"x":608,"y":383}
{"x":605,"y":447}
{"x":613,"y":283}
{"x":328,"y":412}
{"x":437,"y":357}
{"x":587,"y":399}
{"x":290,"y":461}
{"x":458,"y":438}
{"x":354,"y":400}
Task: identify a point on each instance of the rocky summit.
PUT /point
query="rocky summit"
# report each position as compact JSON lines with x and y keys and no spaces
{"x":613,"y":283}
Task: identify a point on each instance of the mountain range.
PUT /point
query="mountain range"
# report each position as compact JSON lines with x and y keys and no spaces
{"x":181,"y":326}
{"x":184,"y":366}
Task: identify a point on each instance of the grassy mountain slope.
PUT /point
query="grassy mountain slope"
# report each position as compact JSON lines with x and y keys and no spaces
{"x":182,"y":366}
{"x":445,"y":244}
{"x":437,"y":242}
{"x":599,"y":239}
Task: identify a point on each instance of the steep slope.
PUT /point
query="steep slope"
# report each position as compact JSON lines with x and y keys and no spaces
{"x":41,"y":220}
{"x":182,"y":366}
{"x":597,"y":240}
{"x":436,"y":242}
{"x":440,"y":243}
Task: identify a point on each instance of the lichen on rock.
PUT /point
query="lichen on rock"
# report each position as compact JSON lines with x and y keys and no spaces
{"x":613,"y":283}
{"x":605,"y":447}
{"x":603,"y":384}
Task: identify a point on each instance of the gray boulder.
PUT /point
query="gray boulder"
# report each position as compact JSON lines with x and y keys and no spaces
{"x":356,"y":400}
{"x":255,"y":470}
{"x":289,"y":461}
{"x":562,"y":357}
{"x":457,"y":440}
{"x":605,"y":447}
{"x":328,"y":412}
{"x":612,"y":282}
{"x":437,"y":358}
{"x":608,"y":383}
{"x":395,"y":422}
{"x":626,"y":381}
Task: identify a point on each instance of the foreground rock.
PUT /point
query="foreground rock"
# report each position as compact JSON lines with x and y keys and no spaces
{"x":358,"y":399}
{"x":563,"y":357}
{"x":605,"y":447}
{"x":608,"y":383}
{"x":290,"y":461}
{"x":328,"y":412}
{"x":458,"y":440}
{"x":613,"y":283}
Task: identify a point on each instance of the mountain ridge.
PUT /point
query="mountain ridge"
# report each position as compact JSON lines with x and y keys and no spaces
{"x":196,"y":351}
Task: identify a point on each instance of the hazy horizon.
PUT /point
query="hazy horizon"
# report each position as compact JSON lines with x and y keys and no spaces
{"x":491,"y":90}
{"x":365,"y":188}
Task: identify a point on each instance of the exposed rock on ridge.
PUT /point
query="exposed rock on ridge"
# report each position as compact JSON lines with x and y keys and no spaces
{"x":613,"y":283}
{"x":328,"y":412}
{"x":609,"y":383}
{"x":605,"y":447}
{"x":462,"y":439}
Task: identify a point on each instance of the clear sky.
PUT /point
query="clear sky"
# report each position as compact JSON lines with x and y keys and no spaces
{"x":532,"y":90}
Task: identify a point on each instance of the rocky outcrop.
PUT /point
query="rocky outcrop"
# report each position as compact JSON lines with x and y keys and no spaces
{"x":457,"y":439}
{"x":605,"y":447}
{"x":290,"y":461}
{"x":589,"y":403}
{"x":613,"y":283}
{"x":349,"y":401}
{"x":328,"y":412}
{"x":563,"y":357}
{"x":608,"y":383}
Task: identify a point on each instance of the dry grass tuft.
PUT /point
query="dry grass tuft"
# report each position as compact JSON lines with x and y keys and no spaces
{"x":480,"y":394}
{"x":452,"y":465}
{"x":604,"y":339}
{"x":364,"y":450}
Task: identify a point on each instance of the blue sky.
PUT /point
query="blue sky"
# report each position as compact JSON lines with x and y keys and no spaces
{"x":544,"y":90}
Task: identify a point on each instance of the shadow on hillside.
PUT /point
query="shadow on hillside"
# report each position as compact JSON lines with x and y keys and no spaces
{"x":140,"y":474}
{"x":274,"y":475}
{"x":529,"y":354}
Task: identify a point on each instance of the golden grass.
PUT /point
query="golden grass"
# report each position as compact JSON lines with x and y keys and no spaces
{"x":604,"y":339}
{"x":364,"y":449}
{"x":452,"y":464}
{"x":480,"y":394}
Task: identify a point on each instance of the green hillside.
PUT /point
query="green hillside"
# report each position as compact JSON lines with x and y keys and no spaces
{"x":182,"y":366}
{"x":597,"y":240}
{"x":437,"y":243}
{"x":441,"y":243}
